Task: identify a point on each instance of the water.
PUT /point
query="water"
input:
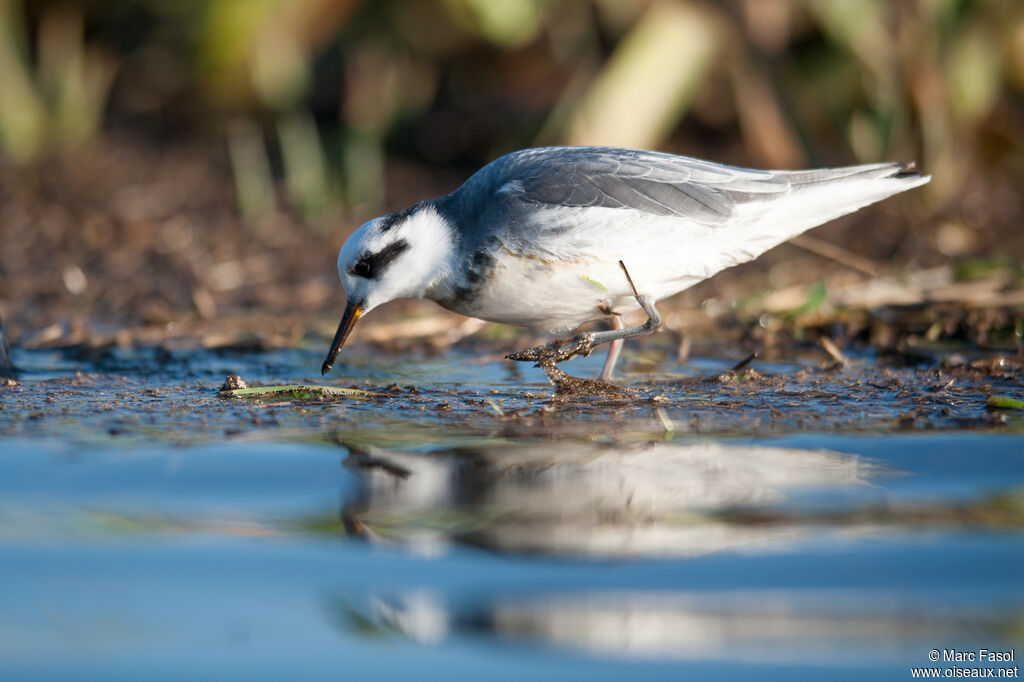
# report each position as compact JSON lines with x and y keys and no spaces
{"x":150,"y":529}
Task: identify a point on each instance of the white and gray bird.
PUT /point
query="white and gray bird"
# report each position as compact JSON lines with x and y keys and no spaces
{"x":552,"y":237}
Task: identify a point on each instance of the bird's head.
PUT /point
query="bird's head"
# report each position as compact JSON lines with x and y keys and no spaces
{"x":395,"y":256}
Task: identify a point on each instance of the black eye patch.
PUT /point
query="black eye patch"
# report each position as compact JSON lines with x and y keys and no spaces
{"x":370,"y":265}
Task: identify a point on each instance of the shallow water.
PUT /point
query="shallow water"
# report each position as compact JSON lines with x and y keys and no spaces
{"x":803,"y":525}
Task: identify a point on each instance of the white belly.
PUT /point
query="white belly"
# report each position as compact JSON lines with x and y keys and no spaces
{"x":557,"y":296}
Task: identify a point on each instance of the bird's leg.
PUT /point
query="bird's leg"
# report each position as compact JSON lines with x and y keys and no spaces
{"x":613,"y":352}
{"x":584,"y":344}
{"x":648,"y":327}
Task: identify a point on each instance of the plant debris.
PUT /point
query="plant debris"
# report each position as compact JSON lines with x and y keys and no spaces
{"x":235,"y":387}
{"x":1004,"y":402}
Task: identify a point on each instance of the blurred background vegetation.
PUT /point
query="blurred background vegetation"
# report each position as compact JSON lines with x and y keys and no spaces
{"x":209,"y":147}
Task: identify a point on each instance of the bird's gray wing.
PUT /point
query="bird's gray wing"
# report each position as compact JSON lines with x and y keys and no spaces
{"x":649,"y":182}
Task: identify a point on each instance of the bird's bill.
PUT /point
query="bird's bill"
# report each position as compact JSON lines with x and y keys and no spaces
{"x":353,"y":311}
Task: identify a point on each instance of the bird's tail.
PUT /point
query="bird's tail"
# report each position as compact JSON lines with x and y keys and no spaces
{"x":823,"y":194}
{"x":870,"y":171}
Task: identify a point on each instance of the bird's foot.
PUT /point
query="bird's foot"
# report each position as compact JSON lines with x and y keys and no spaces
{"x":566,"y":385}
{"x":559,"y":351}
{"x":556,"y":351}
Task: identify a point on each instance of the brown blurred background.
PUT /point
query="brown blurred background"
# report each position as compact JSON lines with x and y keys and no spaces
{"x":187,"y":169}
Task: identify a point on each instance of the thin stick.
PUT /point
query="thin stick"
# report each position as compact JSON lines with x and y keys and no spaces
{"x":835,"y":253}
{"x":743,"y":363}
{"x":830,"y":347}
{"x":623,"y":266}
{"x":666,"y":423}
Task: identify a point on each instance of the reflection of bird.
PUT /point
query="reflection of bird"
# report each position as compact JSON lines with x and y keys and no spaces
{"x":542,"y":237}
{"x":582,"y":498}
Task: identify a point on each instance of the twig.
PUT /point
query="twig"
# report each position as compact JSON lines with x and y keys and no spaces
{"x":835,"y":253}
{"x":683,"y":351}
{"x":834,"y":352}
{"x":494,"y":406}
{"x":743,"y":363}
{"x":666,"y":423}
{"x":623,"y":266}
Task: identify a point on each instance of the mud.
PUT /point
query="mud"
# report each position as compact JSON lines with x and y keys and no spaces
{"x":158,"y":394}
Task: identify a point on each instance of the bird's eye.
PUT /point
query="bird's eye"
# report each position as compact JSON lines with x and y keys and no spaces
{"x":371,"y":265}
{"x":362,"y":269}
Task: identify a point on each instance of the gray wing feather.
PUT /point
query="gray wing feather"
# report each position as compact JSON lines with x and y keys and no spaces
{"x":650,"y":182}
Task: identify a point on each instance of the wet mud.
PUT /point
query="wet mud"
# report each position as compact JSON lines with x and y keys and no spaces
{"x":183,"y":396}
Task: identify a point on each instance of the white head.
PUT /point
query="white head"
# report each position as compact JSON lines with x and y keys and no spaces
{"x":399,"y":255}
